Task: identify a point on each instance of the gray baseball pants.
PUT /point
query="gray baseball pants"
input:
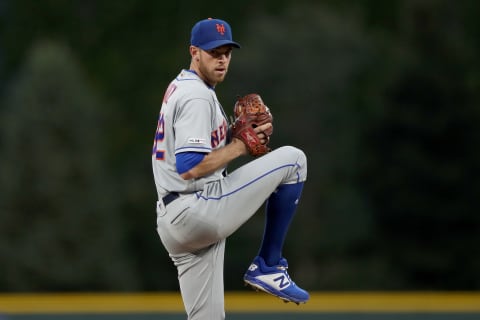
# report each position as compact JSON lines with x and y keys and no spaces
{"x":194,"y":227}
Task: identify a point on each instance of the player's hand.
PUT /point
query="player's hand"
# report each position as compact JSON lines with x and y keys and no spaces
{"x":264,"y":138}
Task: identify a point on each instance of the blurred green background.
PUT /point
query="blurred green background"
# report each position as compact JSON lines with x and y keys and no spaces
{"x":383,"y":97}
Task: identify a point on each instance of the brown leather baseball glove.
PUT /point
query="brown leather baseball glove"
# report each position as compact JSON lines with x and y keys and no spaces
{"x":250,"y":112}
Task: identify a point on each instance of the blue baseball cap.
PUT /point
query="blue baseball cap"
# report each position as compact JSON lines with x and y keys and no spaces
{"x":212,"y":33}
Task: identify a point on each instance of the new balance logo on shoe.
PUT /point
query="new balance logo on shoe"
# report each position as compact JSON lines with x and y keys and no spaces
{"x":252,"y":267}
{"x":283,"y":281}
{"x":277,"y":281}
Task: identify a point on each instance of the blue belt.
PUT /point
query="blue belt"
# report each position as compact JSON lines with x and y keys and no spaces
{"x":170,"y":197}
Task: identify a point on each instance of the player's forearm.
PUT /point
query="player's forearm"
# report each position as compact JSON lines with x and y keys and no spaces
{"x":216,"y":159}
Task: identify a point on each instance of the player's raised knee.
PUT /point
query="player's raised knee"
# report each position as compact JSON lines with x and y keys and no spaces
{"x":295,"y":152}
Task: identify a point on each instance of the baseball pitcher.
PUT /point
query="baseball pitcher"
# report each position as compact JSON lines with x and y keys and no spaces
{"x":199,"y":205}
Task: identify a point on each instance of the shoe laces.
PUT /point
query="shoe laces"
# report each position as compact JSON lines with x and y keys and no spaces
{"x":284,"y":268}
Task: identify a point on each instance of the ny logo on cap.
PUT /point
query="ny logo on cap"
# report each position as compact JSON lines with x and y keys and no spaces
{"x":220,"y":28}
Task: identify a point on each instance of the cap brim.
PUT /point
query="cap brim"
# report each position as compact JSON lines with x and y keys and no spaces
{"x":219,"y":43}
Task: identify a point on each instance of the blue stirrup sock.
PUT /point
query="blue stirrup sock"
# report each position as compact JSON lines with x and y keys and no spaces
{"x":279,"y":211}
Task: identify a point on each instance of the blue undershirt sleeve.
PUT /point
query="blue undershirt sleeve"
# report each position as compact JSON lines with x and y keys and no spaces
{"x":188,"y":160}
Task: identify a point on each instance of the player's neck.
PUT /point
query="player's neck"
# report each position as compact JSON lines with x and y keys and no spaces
{"x":206,"y":83}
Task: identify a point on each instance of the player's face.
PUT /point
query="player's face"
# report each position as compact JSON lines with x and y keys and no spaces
{"x":213,"y":64}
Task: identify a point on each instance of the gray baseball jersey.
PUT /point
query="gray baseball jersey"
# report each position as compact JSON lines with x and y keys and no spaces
{"x":191,"y":119}
{"x":193,"y":228}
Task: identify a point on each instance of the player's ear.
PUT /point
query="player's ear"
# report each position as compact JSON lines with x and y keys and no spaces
{"x":194,"y":52}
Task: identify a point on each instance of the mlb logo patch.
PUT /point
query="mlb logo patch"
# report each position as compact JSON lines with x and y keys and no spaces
{"x":196,"y":140}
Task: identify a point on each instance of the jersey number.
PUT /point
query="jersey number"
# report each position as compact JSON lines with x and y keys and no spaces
{"x":159,"y":136}
{"x":160,"y":133}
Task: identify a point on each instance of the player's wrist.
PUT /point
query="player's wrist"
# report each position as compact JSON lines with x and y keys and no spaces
{"x":239,"y":147}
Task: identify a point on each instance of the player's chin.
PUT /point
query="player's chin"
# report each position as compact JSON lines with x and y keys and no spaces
{"x":220,"y":74}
